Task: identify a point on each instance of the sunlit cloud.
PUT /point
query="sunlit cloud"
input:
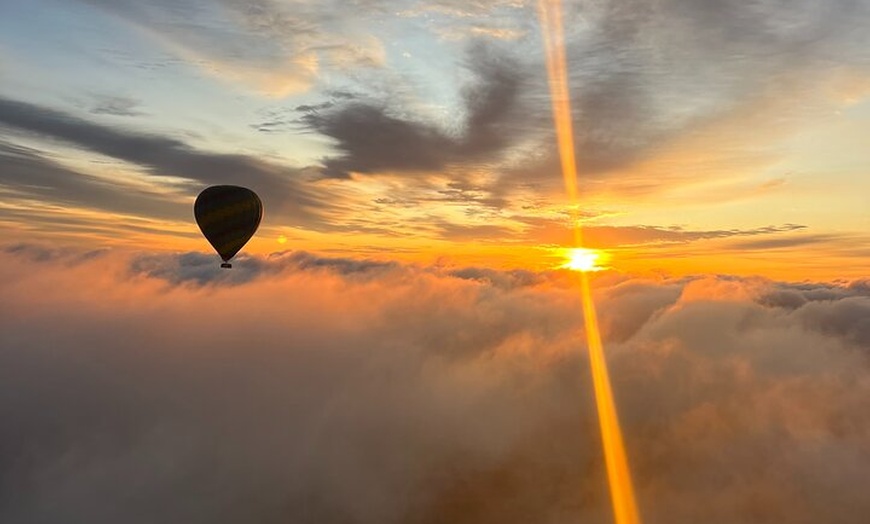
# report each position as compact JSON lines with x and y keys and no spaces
{"x":341,"y":381}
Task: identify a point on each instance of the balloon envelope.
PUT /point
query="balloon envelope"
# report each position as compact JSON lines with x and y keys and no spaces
{"x":228,"y":217}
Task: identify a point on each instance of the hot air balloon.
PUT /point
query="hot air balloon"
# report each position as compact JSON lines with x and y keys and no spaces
{"x":228,"y":217}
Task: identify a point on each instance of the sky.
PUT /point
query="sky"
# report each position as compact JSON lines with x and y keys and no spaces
{"x":398,"y":343}
{"x":711,"y":137}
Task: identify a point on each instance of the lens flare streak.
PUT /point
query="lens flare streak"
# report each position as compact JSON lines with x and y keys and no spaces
{"x":550,"y":14}
{"x":618,"y":474}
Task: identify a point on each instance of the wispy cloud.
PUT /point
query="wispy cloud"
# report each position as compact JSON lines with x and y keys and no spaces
{"x":270,"y":46}
{"x":600,"y":236}
{"x":30,"y":174}
{"x":161,"y":156}
{"x":116,"y":105}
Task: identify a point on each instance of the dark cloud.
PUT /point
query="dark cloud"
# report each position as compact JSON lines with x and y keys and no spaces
{"x":601,"y":235}
{"x":784,"y":298}
{"x":785,"y":243}
{"x":613,"y":123}
{"x":341,"y":265}
{"x":471,"y":232}
{"x":276,"y":121}
{"x":280,"y":187}
{"x":372,"y":140}
{"x":281,"y":119}
{"x":310,"y":395}
{"x":42,"y":254}
{"x":116,"y":106}
{"x":507,"y":279}
{"x":842,"y":310}
{"x":493,"y":103}
{"x":637,"y":302}
{"x":861,"y":287}
{"x":560,"y":232}
{"x":848,"y":317}
{"x":462,"y":192}
{"x":790,"y":294}
{"x":202,"y":269}
{"x":29,"y":173}
{"x":372,"y":137}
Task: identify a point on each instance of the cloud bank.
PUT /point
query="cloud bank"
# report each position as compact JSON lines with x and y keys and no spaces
{"x":296,"y":388}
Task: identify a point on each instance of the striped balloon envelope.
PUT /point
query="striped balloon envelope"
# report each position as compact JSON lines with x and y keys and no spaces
{"x":228,"y":217}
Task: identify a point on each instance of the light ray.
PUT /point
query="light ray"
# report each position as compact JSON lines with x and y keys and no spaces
{"x":550,"y":14}
{"x":618,"y":474}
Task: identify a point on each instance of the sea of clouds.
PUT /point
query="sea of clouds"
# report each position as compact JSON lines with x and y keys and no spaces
{"x":144,"y":388}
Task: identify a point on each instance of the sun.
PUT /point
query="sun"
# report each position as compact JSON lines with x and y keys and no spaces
{"x":583,"y":259}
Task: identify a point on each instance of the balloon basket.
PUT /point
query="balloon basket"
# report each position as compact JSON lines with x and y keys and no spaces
{"x":226,"y":265}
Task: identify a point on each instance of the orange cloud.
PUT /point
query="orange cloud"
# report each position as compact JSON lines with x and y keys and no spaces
{"x":313,"y":389}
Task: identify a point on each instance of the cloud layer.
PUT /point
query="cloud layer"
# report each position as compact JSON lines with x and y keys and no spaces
{"x":156,"y":388}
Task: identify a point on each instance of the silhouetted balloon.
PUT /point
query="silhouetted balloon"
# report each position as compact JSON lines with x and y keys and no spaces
{"x":228,"y":217}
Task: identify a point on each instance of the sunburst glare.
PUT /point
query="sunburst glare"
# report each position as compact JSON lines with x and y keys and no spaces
{"x":584,"y":259}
